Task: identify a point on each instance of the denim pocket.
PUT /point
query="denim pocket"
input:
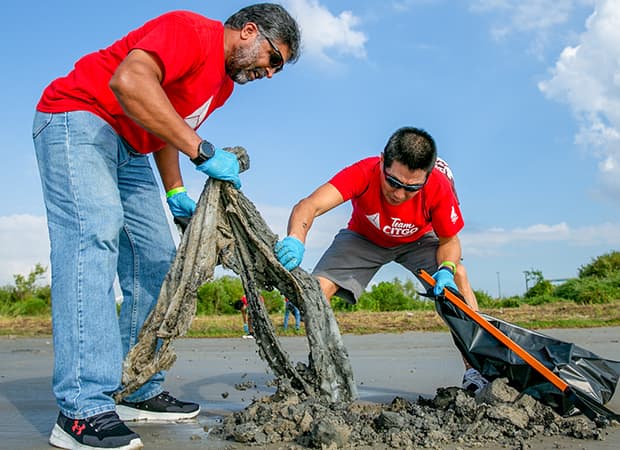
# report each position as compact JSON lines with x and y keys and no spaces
{"x":127,"y":154}
{"x":40,"y":121}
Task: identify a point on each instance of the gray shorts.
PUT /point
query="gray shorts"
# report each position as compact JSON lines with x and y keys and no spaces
{"x":352,"y":260}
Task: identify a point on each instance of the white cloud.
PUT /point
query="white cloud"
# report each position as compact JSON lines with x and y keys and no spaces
{"x":586,"y":76}
{"x":526,"y":15}
{"x":323,"y":32}
{"x":491,"y":241}
{"x":534,"y":17}
{"x":23,"y":244}
{"x":406,"y":5}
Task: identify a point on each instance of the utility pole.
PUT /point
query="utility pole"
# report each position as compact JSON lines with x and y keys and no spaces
{"x":499,"y":286}
{"x":525,"y":273}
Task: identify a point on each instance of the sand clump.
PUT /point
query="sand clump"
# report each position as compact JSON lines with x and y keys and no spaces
{"x":498,"y":414}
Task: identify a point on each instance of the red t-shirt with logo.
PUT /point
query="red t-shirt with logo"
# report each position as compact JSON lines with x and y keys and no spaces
{"x":190,"y":51}
{"x":434,"y":207}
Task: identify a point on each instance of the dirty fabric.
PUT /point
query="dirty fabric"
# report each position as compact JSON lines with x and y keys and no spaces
{"x":227,"y":229}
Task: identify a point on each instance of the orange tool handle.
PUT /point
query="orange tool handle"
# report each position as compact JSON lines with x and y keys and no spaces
{"x":497,"y":334}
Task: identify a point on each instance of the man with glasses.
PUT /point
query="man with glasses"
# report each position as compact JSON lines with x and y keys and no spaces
{"x":405,"y":210}
{"x":148,"y":92}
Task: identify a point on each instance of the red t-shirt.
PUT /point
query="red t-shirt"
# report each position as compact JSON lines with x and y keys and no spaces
{"x":245,"y":300}
{"x":434,"y":207}
{"x":190,"y":50}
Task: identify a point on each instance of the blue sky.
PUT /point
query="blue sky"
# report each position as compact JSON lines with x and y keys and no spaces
{"x":522,"y":97}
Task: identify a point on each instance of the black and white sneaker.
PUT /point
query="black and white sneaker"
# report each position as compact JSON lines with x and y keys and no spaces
{"x":103,"y":430}
{"x":161,"y":408}
{"x":473,"y":380}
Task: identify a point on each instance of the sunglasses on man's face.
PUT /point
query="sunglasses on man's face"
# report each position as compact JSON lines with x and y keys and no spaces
{"x":397,"y":184}
{"x":276,"y":60}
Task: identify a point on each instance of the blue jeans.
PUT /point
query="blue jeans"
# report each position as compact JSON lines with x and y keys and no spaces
{"x":105,"y":219}
{"x":287,"y":311}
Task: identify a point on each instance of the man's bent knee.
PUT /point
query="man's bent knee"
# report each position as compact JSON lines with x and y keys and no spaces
{"x":328,"y":287}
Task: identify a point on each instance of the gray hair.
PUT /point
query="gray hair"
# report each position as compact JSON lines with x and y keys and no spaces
{"x":273,"y":21}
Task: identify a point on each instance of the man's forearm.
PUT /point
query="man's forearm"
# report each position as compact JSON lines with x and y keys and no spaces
{"x":167,"y":160}
{"x":449,"y":250}
{"x":300,"y":221}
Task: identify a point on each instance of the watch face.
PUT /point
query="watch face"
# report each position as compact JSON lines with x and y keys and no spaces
{"x":206,"y":149}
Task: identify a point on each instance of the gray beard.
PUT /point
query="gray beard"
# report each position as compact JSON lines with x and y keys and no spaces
{"x":242,"y":62}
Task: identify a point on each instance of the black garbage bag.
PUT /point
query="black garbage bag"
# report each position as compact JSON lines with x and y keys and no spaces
{"x":592,"y":377}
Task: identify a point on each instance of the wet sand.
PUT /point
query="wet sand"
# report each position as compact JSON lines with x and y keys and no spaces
{"x":213,"y":372}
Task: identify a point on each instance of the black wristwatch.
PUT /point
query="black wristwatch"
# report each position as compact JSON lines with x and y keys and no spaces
{"x":206,"y":150}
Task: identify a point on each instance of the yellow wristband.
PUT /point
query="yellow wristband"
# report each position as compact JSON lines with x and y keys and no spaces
{"x":450,"y":265}
{"x":175,"y":191}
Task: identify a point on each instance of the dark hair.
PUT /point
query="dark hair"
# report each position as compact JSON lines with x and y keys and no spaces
{"x":412,"y":147}
{"x":273,"y":21}
{"x":238,"y":305}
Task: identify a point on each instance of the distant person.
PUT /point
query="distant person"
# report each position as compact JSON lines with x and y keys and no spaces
{"x":288,"y":309}
{"x":242,"y":306}
{"x":405,"y":210}
{"x":146,"y":93}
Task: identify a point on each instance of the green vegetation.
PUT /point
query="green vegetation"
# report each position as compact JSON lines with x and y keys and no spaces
{"x":597,"y":283}
{"x":25,"y":297}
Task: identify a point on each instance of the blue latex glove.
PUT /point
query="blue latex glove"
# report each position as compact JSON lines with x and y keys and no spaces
{"x":181,"y":205}
{"x":290,"y":252}
{"x":222,"y":165}
{"x":443,"y":279}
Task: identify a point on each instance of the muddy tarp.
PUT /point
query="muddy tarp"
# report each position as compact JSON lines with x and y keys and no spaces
{"x":585,"y":372}
{"x":227,"y":229}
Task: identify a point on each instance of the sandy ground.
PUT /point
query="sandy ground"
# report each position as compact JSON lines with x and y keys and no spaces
{"x":207,"y":370}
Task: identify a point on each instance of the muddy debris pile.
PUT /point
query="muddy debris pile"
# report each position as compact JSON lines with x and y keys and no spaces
{"x":498,"y":414}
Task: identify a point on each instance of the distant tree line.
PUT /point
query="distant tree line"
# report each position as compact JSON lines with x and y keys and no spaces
{"x":597,"y":282}
{"x":26,"y":297}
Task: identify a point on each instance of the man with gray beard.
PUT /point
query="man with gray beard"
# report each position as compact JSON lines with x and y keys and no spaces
{"x":148,"y":92}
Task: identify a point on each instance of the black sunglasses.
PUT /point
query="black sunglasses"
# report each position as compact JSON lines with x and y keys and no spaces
{"x":396,"y":183}
{"x":276,"y":60}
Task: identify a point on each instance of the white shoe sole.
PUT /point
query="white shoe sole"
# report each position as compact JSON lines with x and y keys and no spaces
{"x":127,"y":414}
{"x":59,"y":438}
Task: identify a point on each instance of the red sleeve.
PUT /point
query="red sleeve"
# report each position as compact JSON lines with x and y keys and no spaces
{"x":443,"y":206}
{"x":353,"y":181}
{"x":174,"y":41}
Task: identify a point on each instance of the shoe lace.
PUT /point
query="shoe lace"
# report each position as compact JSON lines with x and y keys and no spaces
{"x":166,"y":397}
{"x":105,"y":421}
